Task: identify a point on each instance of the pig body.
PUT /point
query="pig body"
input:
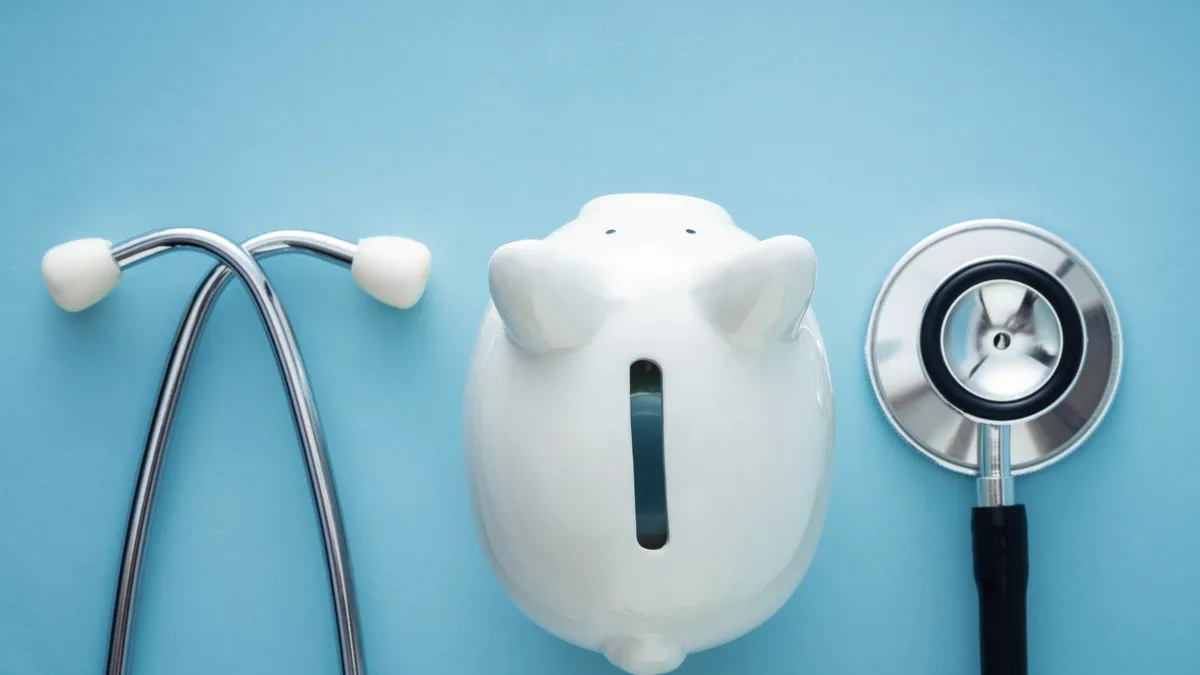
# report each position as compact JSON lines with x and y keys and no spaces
{"x":747,"y":410}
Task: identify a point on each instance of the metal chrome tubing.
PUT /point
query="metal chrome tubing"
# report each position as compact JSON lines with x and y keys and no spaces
{"x":995,"y":482}
{"x":240,"y":261}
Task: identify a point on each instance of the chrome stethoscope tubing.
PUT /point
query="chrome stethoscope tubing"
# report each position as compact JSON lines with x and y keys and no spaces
{"x":80,"y":273}
{"x":239,"y":261}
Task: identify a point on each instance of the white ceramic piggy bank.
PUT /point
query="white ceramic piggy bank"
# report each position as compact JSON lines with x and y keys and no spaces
{"x":650,"y":316}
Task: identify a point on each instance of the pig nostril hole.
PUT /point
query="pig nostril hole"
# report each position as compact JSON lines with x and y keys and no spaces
{"x":649,"y":470}
{"x":690,"y":231}
{"x":611,"y":232}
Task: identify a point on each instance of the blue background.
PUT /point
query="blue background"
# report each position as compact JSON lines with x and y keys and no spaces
{"x":861,"y":126}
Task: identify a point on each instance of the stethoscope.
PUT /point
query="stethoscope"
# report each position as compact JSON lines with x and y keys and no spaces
{"x":80,"y":273}
{"x":995,"y":349}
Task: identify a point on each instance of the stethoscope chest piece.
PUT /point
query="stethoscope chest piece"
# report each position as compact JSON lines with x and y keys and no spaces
{"x":995,"y":350}
{"x":994,"y":322}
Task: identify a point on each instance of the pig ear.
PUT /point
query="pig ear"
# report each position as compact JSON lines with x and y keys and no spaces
{"x":762,"y":294}
{"x":548,"y":298}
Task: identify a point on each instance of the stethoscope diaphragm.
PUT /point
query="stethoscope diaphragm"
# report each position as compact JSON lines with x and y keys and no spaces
{"x":1046,"y":353}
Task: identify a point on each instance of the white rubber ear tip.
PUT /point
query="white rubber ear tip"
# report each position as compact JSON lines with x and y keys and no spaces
{"x":392,"y":270}
{"x":80,"y":273}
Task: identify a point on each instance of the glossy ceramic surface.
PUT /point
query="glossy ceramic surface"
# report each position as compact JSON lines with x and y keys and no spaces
{"x":747,"y":417}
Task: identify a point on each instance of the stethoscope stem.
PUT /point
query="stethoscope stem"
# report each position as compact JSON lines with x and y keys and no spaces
{"x":995,"y":482}
{"x":237,"y":261}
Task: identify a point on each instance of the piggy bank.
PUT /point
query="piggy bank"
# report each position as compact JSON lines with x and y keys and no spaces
{"x":649,"y":427}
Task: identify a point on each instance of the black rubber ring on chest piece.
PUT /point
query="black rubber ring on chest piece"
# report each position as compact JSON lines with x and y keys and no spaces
{"x":1070,"y":355}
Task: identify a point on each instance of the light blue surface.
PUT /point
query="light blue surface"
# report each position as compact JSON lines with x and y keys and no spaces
{"x":862,"y":126}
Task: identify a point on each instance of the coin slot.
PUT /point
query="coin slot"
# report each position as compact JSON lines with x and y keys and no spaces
{"x":649,"y":468}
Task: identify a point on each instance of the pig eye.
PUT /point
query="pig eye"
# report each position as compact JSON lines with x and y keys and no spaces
{"x":611,"y":232}
{"x":690,"y":231}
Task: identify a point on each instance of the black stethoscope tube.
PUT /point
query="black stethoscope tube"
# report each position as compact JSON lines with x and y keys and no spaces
{"x":1000,"y":546}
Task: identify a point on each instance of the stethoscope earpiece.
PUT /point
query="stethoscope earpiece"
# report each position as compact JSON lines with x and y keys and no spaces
{"x":393,"y":270}
{"x":80,"y":273}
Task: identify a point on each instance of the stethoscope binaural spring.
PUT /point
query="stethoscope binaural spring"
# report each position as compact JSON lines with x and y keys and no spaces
{"x":80,"y":273}
{"x":995,"y":350}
